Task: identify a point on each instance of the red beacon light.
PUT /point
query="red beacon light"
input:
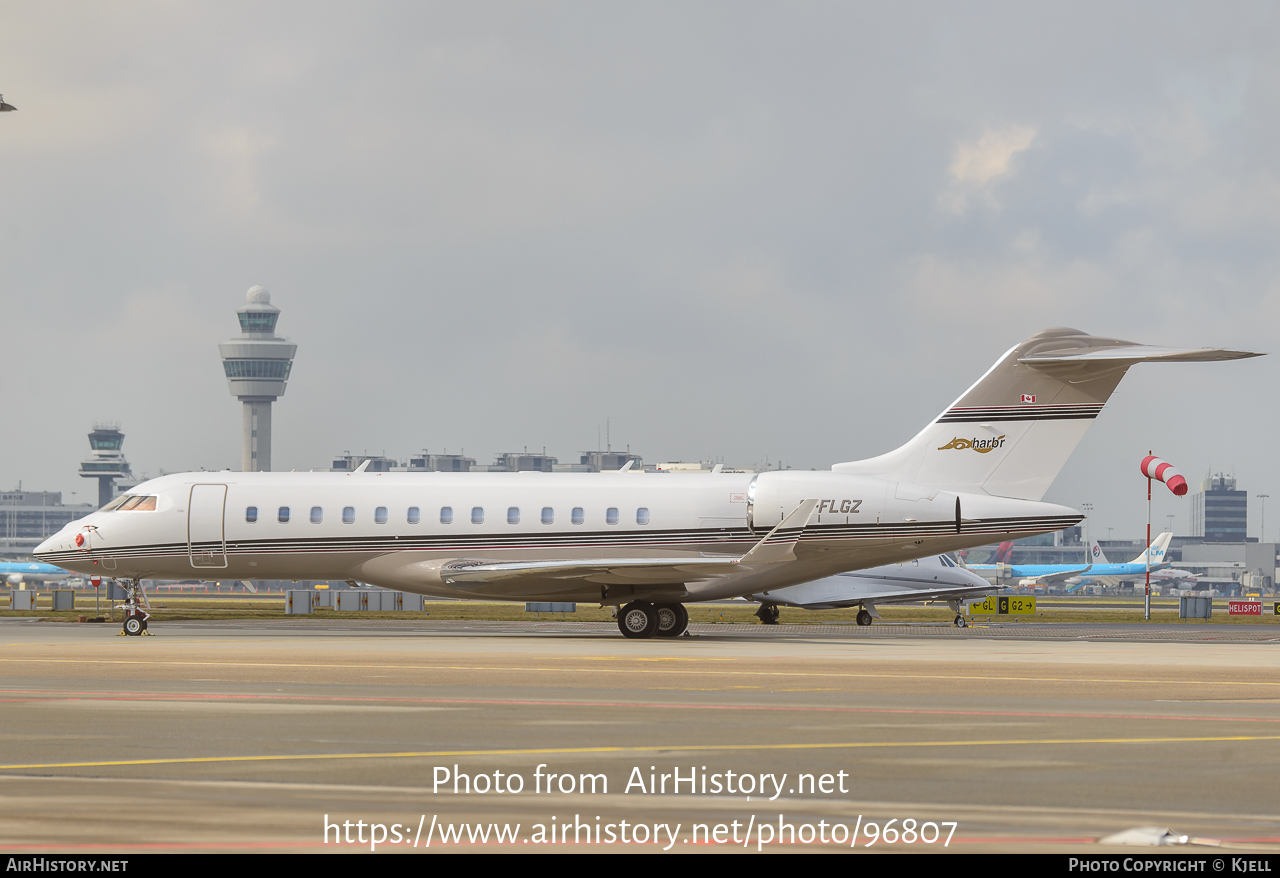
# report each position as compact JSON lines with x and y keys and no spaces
{"x":79,"y":541}
{"x":1154,"y":468}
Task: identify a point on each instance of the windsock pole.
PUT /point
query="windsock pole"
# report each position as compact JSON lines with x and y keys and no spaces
{"x":1154,"y":468}
{"x":1146,"y":601}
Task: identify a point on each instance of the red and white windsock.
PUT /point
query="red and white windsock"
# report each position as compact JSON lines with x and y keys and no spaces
{"x":1154,"y":468}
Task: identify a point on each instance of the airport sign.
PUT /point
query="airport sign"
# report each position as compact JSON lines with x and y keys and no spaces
{"x":1004,"y":606}
{"x":1244,"y":608}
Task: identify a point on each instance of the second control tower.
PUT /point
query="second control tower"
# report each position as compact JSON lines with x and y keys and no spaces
{"x":257,"y":364}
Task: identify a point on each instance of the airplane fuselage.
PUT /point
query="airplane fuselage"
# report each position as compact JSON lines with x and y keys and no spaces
{"x":397,"y":529}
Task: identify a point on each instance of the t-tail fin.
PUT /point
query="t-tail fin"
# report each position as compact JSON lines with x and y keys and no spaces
{"x":1157,"y":550}
{"x":1096,"y":555}
{"x":1011,"y":433}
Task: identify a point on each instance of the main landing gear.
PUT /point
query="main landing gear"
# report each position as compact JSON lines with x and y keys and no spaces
{"x":960,"y":621}
{"x":135,"y":616}
{"x":641,"y":619}
{"x":767,"y":614}
{"x":864,"y":618}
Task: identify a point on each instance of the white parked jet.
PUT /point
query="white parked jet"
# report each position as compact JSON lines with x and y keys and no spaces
{"x":936,"y":578}
{"x":649,"y":543}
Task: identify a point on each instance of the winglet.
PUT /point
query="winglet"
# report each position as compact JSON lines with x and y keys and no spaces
{"x":362,"y":467}
{"x":779,"y":543}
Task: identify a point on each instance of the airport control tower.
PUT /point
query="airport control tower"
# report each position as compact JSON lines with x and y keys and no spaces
{"x":257,"y":364}
{"x":106,"y":461}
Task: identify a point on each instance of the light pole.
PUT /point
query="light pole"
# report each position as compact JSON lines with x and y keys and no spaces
{"x":1262,"y":530}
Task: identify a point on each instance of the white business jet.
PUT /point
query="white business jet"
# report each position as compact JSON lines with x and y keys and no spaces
{"x":648,"y":543}
{"x":937,"y":578}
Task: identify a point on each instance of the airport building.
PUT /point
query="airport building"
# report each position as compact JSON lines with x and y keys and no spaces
{"x":106,"y":463}
{"x":1219,"y":511}
{"x":27,"y":518}
{"x":507,"y":462}
{"x":257,"y":365}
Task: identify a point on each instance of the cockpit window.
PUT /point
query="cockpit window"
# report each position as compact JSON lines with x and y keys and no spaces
{"x":117,"y":503}
{"x":134,"y":503}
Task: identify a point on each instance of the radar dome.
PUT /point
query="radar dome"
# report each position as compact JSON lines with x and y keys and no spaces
{"x":258,"y":295}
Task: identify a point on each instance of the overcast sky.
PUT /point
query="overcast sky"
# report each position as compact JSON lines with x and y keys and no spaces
{"x":740,"y":230}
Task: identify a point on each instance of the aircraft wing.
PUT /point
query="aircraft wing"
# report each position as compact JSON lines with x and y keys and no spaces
{"x":777,"y":545}
{"x":940,"y":594}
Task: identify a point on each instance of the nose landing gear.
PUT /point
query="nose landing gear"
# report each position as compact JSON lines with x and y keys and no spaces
{"x":135,"y":616}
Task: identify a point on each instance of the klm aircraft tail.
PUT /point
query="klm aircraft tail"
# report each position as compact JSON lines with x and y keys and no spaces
{"x":1156,"y":549}
{"x":1011,"y":433}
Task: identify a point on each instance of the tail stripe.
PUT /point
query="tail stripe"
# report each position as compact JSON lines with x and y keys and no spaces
{"x":964,"y":414}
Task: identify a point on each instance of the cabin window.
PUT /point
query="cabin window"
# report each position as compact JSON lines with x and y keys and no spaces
{"x":577,"y":516}
{"x":611,"y":515}
{"x":317,"y":514}
{"x":380,"y":515}
{"x":513,"y":515}
{"x":283,"y":515}
{"x":251,"y":514}
{"x":642,"y":515}
{"x":348,"y":515}
{"x":548,"y":515}
{"x":446,"y":515}
{"x":414,"y":516}
{"x":477,"y":515}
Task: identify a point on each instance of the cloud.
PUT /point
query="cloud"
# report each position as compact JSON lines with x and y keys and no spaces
{"x":978,"y":163}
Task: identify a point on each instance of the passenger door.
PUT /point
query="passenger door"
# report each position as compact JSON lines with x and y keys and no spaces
{"x":206,"y":538}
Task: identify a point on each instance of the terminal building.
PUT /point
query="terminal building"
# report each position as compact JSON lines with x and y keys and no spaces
{"x":506,"y":462}
{"x":28,"y":518}
{"x":1219,"y":512}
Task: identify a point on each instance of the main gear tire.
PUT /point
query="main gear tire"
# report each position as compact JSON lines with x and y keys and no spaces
{"x":864,"y":618}
{"x":638,"y":620}
{"x":673,"y":619}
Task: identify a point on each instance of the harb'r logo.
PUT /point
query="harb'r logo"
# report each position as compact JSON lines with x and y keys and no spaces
{"x":982,"y":446}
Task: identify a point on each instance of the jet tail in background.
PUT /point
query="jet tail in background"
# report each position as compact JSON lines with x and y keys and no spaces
{"x":1096,"y":555}
{"x":1003,"y":551}
{"x":1010,"y":434}
{"x":1157,"y":550}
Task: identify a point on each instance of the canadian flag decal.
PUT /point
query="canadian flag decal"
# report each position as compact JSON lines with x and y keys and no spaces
{"x":1028,"y":397}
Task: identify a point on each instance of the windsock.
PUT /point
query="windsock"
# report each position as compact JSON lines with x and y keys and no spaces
{"x":1154,"y":468}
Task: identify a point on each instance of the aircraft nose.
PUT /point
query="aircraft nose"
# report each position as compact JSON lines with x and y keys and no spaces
{"x":62,"y":541}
